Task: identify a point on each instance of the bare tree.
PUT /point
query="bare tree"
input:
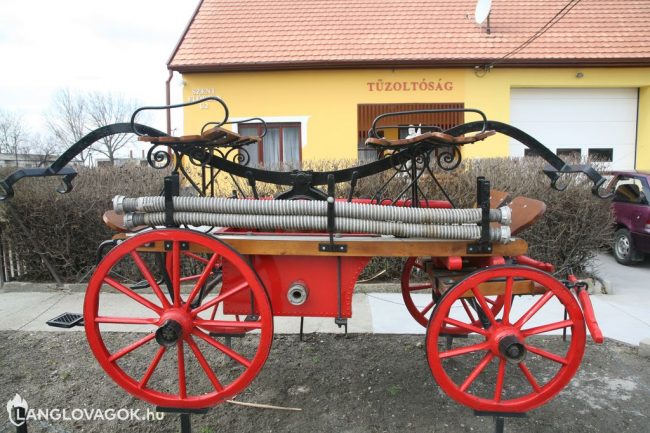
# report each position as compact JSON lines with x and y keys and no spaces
{"x":46,"y":148}
{"x":12,"y":134}
{"x":68,"y":120}
{"x":106,"y":109}
{"x":74,"y":115}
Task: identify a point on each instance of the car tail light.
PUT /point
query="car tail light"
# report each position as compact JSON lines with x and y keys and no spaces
{"x":647,"y":226}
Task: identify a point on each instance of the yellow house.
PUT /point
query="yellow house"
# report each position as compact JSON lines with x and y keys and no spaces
{"x":577,"y":78}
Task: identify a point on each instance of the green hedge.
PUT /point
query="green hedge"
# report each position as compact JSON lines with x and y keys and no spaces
{"x":68,"y":228}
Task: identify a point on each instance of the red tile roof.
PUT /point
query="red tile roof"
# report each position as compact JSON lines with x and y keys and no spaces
{"x":291,"y":34}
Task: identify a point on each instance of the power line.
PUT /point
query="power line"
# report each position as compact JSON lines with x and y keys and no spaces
{"x":546,"y":27}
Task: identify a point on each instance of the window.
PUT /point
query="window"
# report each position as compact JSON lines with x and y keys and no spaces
{"x":601,"y":155}
{"x":628,"y":189}
{"x":530,"y":152}
{"x":568,"y":153}
{"x":366,"y":113}
{"x":280,"y":145}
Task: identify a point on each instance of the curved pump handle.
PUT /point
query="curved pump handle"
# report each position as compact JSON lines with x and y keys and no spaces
{"x":373,"y":129}
{"x":250,"y":119}
{"x":134,"y":126}
{"x":7,"y":184}
{"x":599,"y":182}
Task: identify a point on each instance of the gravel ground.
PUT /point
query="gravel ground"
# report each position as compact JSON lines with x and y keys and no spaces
{"x":354,"y":384}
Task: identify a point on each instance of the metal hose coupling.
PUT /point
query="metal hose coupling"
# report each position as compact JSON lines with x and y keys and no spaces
{"x":118,"y":204}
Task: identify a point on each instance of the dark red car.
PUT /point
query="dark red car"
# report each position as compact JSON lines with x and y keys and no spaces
{"x":632,"y":214}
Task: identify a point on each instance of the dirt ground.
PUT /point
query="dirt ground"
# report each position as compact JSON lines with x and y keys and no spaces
{"x":353,"y":384}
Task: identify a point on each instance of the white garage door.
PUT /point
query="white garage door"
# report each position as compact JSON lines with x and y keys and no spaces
{"x":598,"y":123}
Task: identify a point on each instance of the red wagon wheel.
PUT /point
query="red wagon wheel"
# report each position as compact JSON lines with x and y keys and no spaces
{"x":170,"y":353}
{"x":416,"y":281}
{"x":519,"y":368}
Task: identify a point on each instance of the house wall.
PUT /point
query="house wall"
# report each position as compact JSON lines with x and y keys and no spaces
{"x":325,"y":101}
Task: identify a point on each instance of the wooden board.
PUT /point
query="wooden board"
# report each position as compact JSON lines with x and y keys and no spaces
{"x":493,"y":288}
{"x":525,"y":212}
{"x":359,"y":246}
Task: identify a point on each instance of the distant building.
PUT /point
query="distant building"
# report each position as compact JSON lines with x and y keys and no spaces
{"x":120,"y":162}
{"x":25,"y":160}
{"x":123,"y":161}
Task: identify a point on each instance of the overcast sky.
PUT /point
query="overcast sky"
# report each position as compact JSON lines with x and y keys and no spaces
{"x":119,"y":46}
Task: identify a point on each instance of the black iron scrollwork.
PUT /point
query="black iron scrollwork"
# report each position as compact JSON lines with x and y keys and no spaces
{"x":449,"y":158}
{"x":412,"y":162}
{"x":158,"y":158}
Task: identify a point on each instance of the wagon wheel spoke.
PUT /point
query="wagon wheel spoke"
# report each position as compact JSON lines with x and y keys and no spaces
{"x":152,"y":367}
{"x":204,"y":364}
{"x":477,"y":370}
{"x":467,"y":310}
{"x":130,"y":348}
{"x":529,"y":376}
{"x":464,"y":350}
{"x":484,"y":306}
{"x":202,"y":279}
{"x":507,"y":304}
{"x":548,"y":355}
{"x":415,"y":287}
{"x":465,"y":326}
{"x":131,"y":294}
{"x":428,"y":307}
{"x":547,"y":328}
{"x":215,"y":301}
{"x":126,"y":320}
{"x":533,"y":310}
{"x":176,"y":272}
{"x":146,"y":273}
{"x":194,"y":256}
{"x":223,"y":348}
{"x":501,"y":374}
{"x":182,"y":385}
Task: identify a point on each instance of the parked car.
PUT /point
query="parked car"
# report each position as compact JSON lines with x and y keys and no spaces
{"x":632,"y":215}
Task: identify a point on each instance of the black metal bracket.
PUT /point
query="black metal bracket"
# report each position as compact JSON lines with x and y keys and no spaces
{"x":68,"y":174}
{"x":186,"y":422}
{"x":171,"y":190}
{"x":556,"y":165}
{"x":484,"y":245}
{"x":332,"y":248}
{"x":479,"y":248}
{"x":60,"y":168}
{"x":499,"y":418}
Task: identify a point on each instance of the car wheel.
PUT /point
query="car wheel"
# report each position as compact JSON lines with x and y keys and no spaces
{"x":624,"y":252}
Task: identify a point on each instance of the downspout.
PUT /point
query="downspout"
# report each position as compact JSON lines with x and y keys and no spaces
{"x":168,"y":102}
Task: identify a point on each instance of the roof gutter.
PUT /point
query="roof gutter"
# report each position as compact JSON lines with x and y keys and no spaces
{"x":388,"y":64}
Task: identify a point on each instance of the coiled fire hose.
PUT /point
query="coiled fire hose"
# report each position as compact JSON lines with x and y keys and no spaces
{"x":319,"y":223}
{"x":270,"y":215}
{"x":363,"y":211}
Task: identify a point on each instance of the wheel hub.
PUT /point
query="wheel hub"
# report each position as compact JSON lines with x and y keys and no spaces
{"x":169,"y":333}
{"x":623,"y":246}
{"x":512,"y":349}
{"x":175,"y":324}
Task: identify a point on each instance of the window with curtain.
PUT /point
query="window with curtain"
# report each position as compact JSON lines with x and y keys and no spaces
{"x":281,"y":144}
